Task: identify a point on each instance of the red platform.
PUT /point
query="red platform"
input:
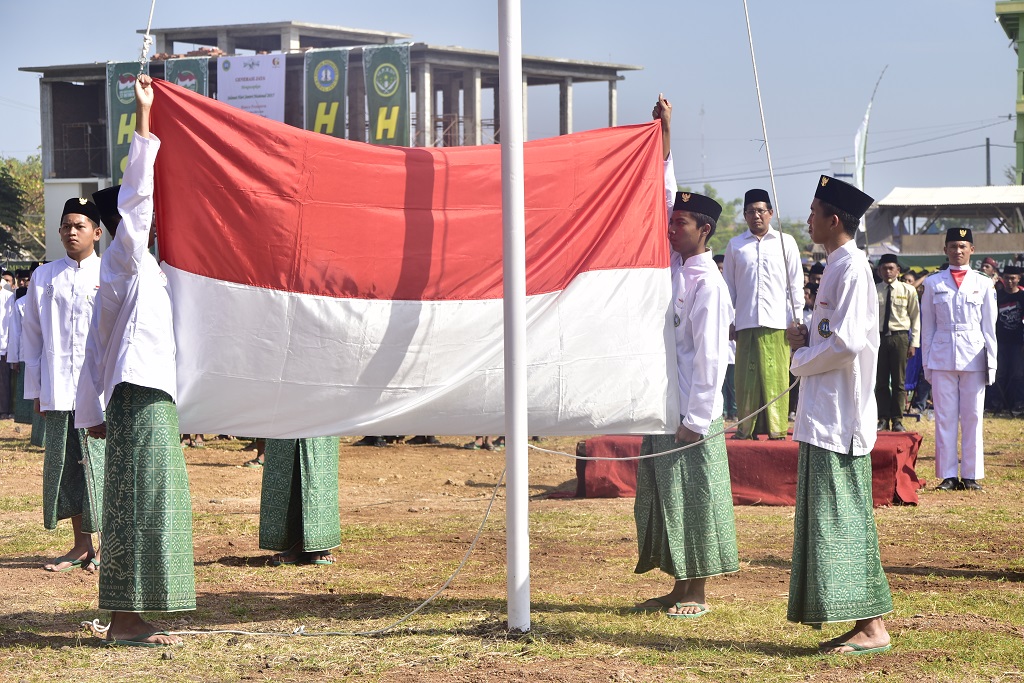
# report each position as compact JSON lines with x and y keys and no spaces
{"x":762,"y":472}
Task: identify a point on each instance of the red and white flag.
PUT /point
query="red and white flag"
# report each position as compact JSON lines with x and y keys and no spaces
{"x":323,"y":286}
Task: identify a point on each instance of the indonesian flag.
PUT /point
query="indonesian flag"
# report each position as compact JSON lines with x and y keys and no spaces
{"x":322,"y":286}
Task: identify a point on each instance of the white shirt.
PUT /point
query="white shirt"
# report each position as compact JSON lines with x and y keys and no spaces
{"x":14,"y":342}
{"x":757,"y":280}
{"x":703,"y":313}
{"x":132,"y":337}
{"x":54,"y":328}
{"x":6,"y":310}
{"x":958,"y":324}
{"x":837,"y":410}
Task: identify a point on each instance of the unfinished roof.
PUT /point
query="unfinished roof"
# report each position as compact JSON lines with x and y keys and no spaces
{"x":267,"y":36}
{"x":954,"y":196}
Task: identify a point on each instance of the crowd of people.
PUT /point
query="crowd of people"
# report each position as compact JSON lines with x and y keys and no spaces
{"x":90,"y":343}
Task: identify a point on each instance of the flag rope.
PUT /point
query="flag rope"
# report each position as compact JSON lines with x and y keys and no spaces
{"x":147,"y":40}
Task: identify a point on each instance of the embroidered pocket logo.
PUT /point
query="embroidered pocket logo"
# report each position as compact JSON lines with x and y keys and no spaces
{"x":823,"y":329}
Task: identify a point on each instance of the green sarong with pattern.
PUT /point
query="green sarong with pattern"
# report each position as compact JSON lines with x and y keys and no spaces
{"x":683,"y":508}
{"x":72,"y":485}
{"x":146,"y":563}
{"x":762,"y":373}
{"x":299,"y":501}
{"x":38,"y":437}
{"x":23,"y":410}
{"x":837,"y":571}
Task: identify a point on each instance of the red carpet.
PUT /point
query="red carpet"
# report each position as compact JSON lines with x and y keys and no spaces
{"x":762,"y":472}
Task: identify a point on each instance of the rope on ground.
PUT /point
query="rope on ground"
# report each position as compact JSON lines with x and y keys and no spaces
{"x":100,"y":631}
{"x":681,"y":448}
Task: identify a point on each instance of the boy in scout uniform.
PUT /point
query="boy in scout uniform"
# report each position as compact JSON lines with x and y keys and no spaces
{"x":958,"y":326}
{"x":899,"y":324}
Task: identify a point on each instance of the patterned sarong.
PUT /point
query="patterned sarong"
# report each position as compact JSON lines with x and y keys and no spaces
{"x":837,"y":572}
{"x":762,"y":373}
{"x":299,"y":502}
{"x":23,"y":410}
{"x":38,"y":438}
{"x":683,"y":508}
{"x":71,"y":486}
{"x":146,"y":563}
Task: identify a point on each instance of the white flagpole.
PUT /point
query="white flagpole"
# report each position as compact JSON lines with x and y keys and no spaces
{"x":513,"y":220}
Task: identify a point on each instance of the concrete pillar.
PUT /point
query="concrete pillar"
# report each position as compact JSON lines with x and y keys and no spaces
{"x":450,"y":102}
{"x":496,"y":93}
{"x":471,"y":123}
{"x":290,"y":39}
{"x":162,"y":45}
{"x":565,"y":106}
{"x":225,"y":42}
{"x":424,"y":107}
{"x":613,"y":104}
{"x":356,"y":103}
{"x":46,"y":128}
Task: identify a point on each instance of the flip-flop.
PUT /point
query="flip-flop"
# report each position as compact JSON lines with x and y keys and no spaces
{"x":472,"y":446}
{"x":858,"y":649}
{"x":637,"y":609}
{"x":318,"y":558}
{"x":136,"y":642}
{"x":255,"y":463}
{"x":61,"y":560}
{"x":92,"y":566}
{"x":278,"y":559}
{"x":704,"y":610}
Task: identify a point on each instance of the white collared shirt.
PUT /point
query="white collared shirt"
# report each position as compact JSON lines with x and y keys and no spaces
{"x":14,"y":343}
{"x":958,"y":324}
{"x":54,"y":328}
{"x":757,"y":280}
{"x":132,"y":337}
{"x":703,"y":313}
{"x":837,"y":410}
{"x":6,"y":310}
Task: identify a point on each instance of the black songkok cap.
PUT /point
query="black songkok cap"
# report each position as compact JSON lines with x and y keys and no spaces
{"x":697,"y":203}
{"x":959,"y":235}
{"x":1013,"y":270}
{"x":106,"y":202}
{"x":842,"y":195}
{"x":818,"y":268}
{"x":756,"y":195}
{"x":82,"y":206}
{"x":889,"y":258}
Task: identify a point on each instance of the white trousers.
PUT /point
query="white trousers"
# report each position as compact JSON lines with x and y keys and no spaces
{"x":959,"y":399}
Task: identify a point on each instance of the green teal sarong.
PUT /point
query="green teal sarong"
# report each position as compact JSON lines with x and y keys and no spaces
{"x":683,"y":508}
{"x":38,"y":437}
{"x":299,"y":500}
{"x":23,"y":409}
{"x":837,"y":572}
{"x":762,"y":373}
{"x":72,"y":485}
{"x":146,"y":563}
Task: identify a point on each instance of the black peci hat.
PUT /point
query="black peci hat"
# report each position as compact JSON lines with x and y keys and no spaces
{"x":697,"y":203}
{"x":959,"y":235}
{"x":106,"y":202}
{"x":756,"y":195}
{"x":842,"y":195}
{"x":82,"y":206}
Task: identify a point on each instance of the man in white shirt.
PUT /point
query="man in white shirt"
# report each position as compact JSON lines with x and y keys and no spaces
{"x":765,"y":280}
{"x":958,"y":338}
{"x":836,"y":570}
{"x":147,"y":561}
{"x":54,"y":327}
{"x":6,"y":314}
{"x":683,"y":507}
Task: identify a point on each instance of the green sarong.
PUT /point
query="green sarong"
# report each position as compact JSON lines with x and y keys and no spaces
{"x":23,"y":409}
{"x":38,"y":437}
{"x":683,"y":508}
{"x":71,"y":485}
{"x":299,"y":501}
{"x":837,"y":572}
{"x":762,"y":373}
{"x":146,"y":563}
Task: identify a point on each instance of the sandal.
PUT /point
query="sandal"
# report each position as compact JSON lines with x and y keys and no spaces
{"x":255,"y":462}
{"x":321,"y":557}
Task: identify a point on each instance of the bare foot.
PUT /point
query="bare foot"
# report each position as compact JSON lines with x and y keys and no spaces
{"x":693,"y":600}
{"x":867,"y":634}
{"x":128,"y":628}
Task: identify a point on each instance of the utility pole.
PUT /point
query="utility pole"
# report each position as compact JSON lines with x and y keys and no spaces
{"x":988,"y":161}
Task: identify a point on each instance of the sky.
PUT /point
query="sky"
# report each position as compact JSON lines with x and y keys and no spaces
{"x":949,"y":75}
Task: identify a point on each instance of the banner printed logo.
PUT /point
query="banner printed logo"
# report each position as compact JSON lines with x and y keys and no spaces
{"x":126,"y":88}
{"x":386,"y":80}
{"x":225,"y":64}
{"x":187,"y":79}
{"x":326,"y":76}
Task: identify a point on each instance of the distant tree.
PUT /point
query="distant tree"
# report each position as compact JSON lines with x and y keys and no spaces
{"x":23,"y":218}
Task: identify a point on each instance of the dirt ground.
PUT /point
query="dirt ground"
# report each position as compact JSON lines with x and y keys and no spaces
{"x":408,"y":515}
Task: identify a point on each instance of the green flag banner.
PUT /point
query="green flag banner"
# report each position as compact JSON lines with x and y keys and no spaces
{"x":192,"y":73}
{"x":386,"y":71}
{"x":325,"y":86}
{"x":120,"y":113}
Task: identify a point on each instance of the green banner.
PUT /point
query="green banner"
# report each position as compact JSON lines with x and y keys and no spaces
{"x":192,"y":73}
{"x":388,"y":91}
{"x":325,"y":86}
{"x":120,"y":113}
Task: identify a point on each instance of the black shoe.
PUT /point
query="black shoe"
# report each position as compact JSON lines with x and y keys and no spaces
{"x":897,"y":426}
{"x":377,"y":441}
{"x":417,"y":441}
{"x":970,"y":485}
{"x":883,"y":426}
{"x":948,"y":484}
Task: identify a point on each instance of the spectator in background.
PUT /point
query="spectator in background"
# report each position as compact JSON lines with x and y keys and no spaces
{"x":816,"y":271}
{"x":729,"y":386}
{"x":900,"y":329}
{"x":1009,"y":393}
{"x":990,"y":269}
